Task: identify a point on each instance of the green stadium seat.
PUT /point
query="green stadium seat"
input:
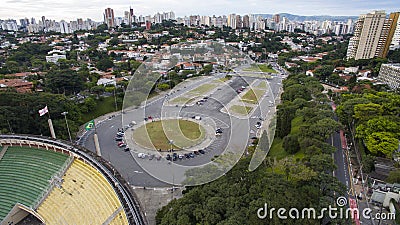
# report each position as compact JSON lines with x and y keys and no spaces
{"x":25,"y":174}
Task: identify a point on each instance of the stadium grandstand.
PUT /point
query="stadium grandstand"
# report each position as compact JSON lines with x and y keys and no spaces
{"x":58,"y":183}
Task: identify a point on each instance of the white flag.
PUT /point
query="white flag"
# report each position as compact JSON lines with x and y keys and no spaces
{"x":43,"y":111}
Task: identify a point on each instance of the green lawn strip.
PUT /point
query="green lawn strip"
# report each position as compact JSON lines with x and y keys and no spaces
{"x":252,"y":96}
{"x":243,"y":110}
{"x":262,"y":85}
{"x":107,"y":105}
{"x":277,"y":149}
{"x":252,"y":68}
{"x":256,"y":75}
{"x":203,"y":89}
{"x":266,"y":68}
{"x":181,"y":100}
{"x":221,"y":80}
{"x":183,"y":133}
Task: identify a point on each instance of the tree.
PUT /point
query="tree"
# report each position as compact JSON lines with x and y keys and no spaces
{"x":104,"y":64}
{"x":324,"y":71}
{"x":323,"y":128}
{"x":64,"y":81}
{"x":113,"y":42}
{"x":291,"y":144}
{"x":163,"y":86}
{"x":98,"y":90}
{"x":364,"y":112}
{"x":286,"y":113}
{"x":394,"y":176}
{"x":379,"y":124}
{"x":382,"y":143}
{"x":394,"y":56}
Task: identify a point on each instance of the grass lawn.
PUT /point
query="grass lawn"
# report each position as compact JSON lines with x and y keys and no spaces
{"x":252,"y":96}
{"x":105,"y":106}
{"x":252,"y":68}
{"x":262,"y":85}
{"x":277,"y":146}
{"x":265,"y":68}
{"x":243,"y":110}
{"x":296,"y":123}
{"x":259,"y":67}
{"x":156,"y":135}
{"x":251,"y":74}
{"x":203,"y":89}
{"x":181,"y":100}
{"x":277,"y":150}
{"x":221,"y":80}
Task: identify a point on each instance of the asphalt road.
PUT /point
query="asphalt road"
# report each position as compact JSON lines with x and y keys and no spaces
{"x":236,"y":132}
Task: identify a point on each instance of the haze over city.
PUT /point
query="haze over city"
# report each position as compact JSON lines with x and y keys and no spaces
{"x":72,"y":9}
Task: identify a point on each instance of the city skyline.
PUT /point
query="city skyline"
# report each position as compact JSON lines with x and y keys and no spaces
{"x":73,"y":9}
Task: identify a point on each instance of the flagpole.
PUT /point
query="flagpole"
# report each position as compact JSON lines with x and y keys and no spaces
{"x":96,"y":140}
{"x":53,"y":134}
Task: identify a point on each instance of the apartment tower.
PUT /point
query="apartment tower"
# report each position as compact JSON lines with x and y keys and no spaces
{"x":109,"y":17}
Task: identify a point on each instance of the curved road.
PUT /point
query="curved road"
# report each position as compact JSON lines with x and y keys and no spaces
{"x":126,"y":163}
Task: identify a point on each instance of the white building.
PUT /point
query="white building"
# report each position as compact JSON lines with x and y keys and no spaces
{"x":64,"y":27}
{"x":390,"y":75}
{"x":10,"y":25}
{"x":105,"y":82}
{"x":54,"y":58}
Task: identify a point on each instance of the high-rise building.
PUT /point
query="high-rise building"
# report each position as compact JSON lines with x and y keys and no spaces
{"x":232,"y":21}
{"x":395,"y":42}
{"x":44,"y":21}
{"x":109,"y":17}
{"x":64,"y":28}
{"x":390,"y":75}
{"x":276,"y":18}
{"x":246,"y":21}
{"x":130,"y":16}
{"x":239,"y":23}
{"x":369,"y":36}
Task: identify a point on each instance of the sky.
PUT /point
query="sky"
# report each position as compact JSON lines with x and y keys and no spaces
{"x":72,"y":9}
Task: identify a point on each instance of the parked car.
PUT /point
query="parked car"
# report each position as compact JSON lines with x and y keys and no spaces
{"x":196,"y":153}
{"x":168,"y":157}
{"x":180,"y":156}
{"x":158,"y":157}
{"x":141,"y":155}
{"x":123,"y":145}
{"x":202,"y":151}
{"x":127,"y":149}
{"x":191,"y":155}
{"x":151,"y":157}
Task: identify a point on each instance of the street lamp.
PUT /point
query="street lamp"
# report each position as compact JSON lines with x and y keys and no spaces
{"x":66,"y":122}
{"x":171,"y":142}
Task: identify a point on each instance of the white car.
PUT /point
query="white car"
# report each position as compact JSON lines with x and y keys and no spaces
{"x":142,"y":155}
